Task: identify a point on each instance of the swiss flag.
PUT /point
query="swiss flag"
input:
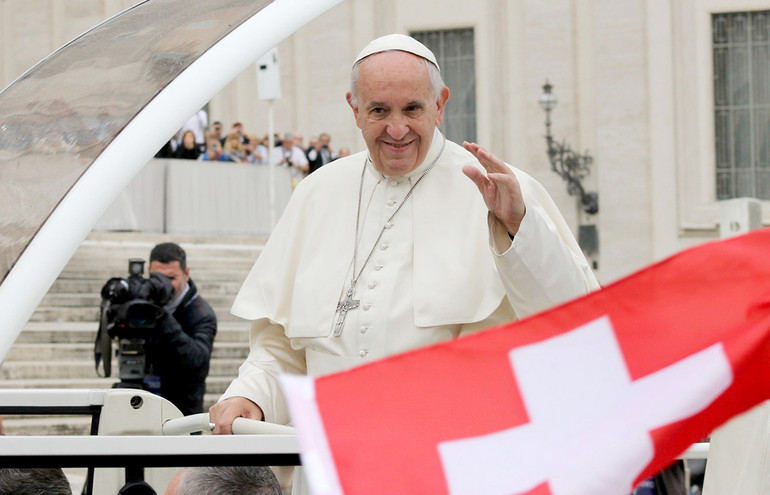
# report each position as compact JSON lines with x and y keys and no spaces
{"x":588,"y":398}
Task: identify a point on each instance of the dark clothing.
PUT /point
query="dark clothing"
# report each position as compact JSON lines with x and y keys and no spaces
{"x":672,"y":480}
{"x":167,"y":151}
{"x":180,"y":351}
{"x":317,"y":159}
{"x":188,"y":153}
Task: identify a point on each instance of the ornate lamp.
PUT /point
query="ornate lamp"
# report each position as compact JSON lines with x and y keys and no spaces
{"x":570,"y":166}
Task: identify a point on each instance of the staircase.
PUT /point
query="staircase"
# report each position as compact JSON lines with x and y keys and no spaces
{"x":55,"y":349}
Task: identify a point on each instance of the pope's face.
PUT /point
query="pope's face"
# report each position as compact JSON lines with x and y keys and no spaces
{"x":397,"y":110}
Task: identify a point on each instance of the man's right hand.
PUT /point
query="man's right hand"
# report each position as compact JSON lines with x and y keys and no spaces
{"x":222,"y":414}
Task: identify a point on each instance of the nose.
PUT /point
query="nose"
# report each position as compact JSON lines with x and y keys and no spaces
{"x":398,"y":127}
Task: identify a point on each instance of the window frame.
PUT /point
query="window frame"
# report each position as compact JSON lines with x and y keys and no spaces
{"x":695,"y":110}
{"x":449,"y":113}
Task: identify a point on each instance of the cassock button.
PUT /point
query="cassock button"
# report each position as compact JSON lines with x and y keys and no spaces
{"x":372,"y":285}
{"x":394,"y":182}
{"x":363,"y":353}
{"x":384,"y":246}
{"x":391,"y":202}
{"x":378,"y":267}
{"x":367,"y":307}
{"x":364,"y":329}
{"x":389,"y":225}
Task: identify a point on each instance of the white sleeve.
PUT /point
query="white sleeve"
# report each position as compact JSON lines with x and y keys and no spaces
{"x":271,"y":354}
{"x":538,"y":269}
{"x":298,"y":156}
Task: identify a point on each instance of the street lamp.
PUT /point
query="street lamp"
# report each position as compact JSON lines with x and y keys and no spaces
{"x":570,"y":166}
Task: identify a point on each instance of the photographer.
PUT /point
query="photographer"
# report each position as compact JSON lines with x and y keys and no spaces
{"x":319,"y":153}
{"x":288,"y":154}
{"x":179,"y":350}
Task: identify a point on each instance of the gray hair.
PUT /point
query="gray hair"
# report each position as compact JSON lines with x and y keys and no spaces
{"x":436,"y":83}
{"x":34,"y":481}
{"x":229,"y":480}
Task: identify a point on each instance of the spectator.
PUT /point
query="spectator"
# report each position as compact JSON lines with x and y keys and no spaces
{"x":224,"y":480}
{"x":214,"y":152}
{"x":299,"y":140}
{"x":238,"y":130}
{"x":260,"y":151}
{"x":319,"y":153}
{"x":289,"y":155}
{"x":234,"y":148}
{"x":216,"y":133}
{"x":197,"y":124}
{"x":34,"y":481}
{"x":343,"y":153}
{"x":179,"y":350}
{"x":188,"y":150}
{"x":168,"y":150}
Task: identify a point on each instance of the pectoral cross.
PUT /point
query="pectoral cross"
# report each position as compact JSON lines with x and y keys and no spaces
{"x":343,"y":307}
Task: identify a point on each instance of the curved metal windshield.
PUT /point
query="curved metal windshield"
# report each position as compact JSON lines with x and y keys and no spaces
{"x":56,"y":119}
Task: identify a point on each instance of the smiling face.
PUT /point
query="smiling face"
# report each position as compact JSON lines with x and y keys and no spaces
{"x":397,"y":110}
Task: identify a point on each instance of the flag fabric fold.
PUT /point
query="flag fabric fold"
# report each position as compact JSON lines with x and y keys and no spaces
{"x":591,"y":397}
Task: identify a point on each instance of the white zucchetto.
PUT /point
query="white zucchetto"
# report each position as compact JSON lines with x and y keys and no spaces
{"x":399,"y":42}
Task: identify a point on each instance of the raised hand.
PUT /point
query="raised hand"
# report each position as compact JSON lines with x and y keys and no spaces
{"x":499,"y":187}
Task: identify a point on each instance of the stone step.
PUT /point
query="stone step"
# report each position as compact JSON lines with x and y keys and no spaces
{"x":84,"y":352}
{"x":46,"y":425}
{"x":215,"y":385}
{"x":85,"y":332}
{"x":93,"y":300}
{"x":105,"y":272}
{"x":206,"y":287}
{"x":90,"y":314}
{"x":18,"y":370}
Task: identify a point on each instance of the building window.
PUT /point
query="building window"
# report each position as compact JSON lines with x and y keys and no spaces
{"x":454,"y":50}
{"x":741,"y":44}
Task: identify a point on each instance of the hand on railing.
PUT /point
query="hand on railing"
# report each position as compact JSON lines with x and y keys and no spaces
{"x":241,"y":426}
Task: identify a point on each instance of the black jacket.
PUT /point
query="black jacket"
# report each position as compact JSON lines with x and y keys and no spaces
{"x":180,"y":351}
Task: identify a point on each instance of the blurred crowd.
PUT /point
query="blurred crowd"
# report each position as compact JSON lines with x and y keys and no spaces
{"x":197,"y":140}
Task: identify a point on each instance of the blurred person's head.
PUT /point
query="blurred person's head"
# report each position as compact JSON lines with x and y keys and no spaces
{"x":34,"y":481}
{"x":213,"y":149}
{"x":225,"y":480}
{"x":233,"y":145}
{"x":288,"y":141}
{"x":188,"y":140}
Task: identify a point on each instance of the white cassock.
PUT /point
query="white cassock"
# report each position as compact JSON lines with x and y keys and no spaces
{"x":444,"y":267}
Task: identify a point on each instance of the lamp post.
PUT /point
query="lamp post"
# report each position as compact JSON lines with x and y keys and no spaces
{"x":571,"y":166}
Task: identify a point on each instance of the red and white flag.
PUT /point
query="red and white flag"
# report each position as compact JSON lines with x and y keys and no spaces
{"x":588,"y":398}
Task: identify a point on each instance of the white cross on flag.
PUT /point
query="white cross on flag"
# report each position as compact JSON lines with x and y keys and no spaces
{"x":591,"y":397}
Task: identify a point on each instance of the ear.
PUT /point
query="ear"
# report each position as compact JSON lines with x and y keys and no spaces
{"x":441,"y":103}
{"x":349,"y":98}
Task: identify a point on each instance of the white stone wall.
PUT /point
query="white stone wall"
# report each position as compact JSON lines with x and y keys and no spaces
{"x":631,"y":76}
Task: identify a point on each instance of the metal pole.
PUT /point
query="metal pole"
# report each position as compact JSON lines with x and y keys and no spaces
{"x":271,"y":175}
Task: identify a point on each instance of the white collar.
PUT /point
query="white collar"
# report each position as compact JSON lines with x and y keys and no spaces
{"x":433,"y":152}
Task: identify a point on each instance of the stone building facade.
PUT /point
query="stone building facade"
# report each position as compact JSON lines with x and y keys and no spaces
{"x":637,"y":83}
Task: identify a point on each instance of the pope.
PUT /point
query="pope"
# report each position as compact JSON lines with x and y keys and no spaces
{"x":412,"y":242}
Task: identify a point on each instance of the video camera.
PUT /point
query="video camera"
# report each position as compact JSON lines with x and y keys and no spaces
{"x":130,"y":309}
